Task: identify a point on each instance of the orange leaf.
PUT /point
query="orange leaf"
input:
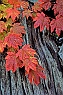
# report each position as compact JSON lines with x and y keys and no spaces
{"x":36,"y":7}
{"x":27,"y":13}
{"x":2,"y":26}
{"x":12,"y":12}
{"x":2,"y":46}
{"x":26,"y":54}
{"x":24,"y":4}
{"x":18,"y":3}
{"x":15,"y":3}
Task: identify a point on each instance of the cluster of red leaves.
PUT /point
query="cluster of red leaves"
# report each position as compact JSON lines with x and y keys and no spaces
{"x":13,"y":32}
{"x":58,"y":7}
{"x":43,"y":20}
{"x":25,"y":57}
{"x":46,"y":4}
{"x":58,"y":12}
{"x":18,"y":3}
{"x":57,"y":24}
{"x":13,"y":38}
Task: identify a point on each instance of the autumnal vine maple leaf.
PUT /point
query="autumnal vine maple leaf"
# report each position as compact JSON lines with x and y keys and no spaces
{"x":2,"y":46}
{"x":58,"y":7}
{"x":2,"y":26}
{"x":34,"y":76}
{"x":46,"y":4}
{"x":27,"y":13}
{"x":57,"y":24}
{"x":13,"y":40}
{"x":42,"y":21}
{"x":24,"y":4}
{"x":15,"y":3}
{"x":18,"y":3}
{"x":13,"y":13}
{"x":26,"y":54}
{"x":17,"y":28}
{"x":12,"y":1}
{"x":36,"y":7}
{"x":12,"y":62}
{"x":29,"y":52}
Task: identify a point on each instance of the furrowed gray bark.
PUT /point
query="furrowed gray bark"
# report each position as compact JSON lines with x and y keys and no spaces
{"x":48,"y":57}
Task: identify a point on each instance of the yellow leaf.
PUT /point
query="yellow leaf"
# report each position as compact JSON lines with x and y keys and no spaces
{"x":5,"y":1}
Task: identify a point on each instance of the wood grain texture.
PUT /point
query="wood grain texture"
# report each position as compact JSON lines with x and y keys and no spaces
{"x":17,"y":84}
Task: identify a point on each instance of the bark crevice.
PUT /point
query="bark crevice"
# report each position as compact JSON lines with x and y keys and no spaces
{"x":16,"y":84}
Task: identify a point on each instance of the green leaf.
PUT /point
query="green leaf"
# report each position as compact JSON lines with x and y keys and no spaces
{"x":8,"y":22}
{"x":3,"y":35}
{"x":4,"y":7}
{"x":3,"y":10}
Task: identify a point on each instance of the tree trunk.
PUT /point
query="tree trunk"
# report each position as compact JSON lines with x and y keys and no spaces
{"x":15,"y":83}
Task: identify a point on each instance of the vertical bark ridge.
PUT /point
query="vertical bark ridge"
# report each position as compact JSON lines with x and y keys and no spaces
{"x":14,"y":83}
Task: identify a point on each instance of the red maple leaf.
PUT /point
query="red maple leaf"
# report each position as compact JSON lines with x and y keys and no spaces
{"x":2,"y":26}
{"x":17,"y":28}
{"x":41,"y":21}
{"x":12,"y":12}
{"x":24,"y":4}
{"x":36,"y":7}
{"x":12,"y":62}
{"x":12,"y":1}
{"x":34,"y":76}
{"x":18,"y":3}
{"x":58,"y":7}
{"x":27,"y":13}
{"x":45,"y":4}
{"x":15,"y":3}
{"x":57,"y":24}
{"x":26,"y":54}
{"x":13,"y":40}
